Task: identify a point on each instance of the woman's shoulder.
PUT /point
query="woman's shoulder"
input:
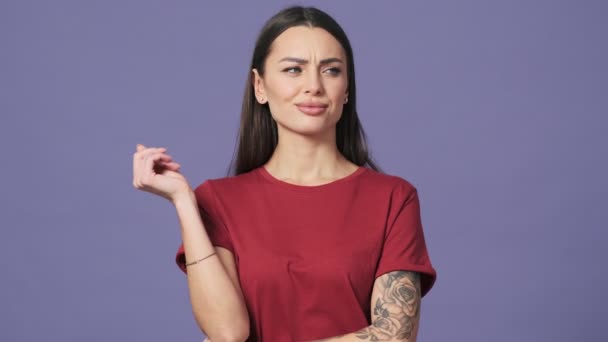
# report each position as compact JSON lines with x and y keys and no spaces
{"x":232,"y":183}
{"x":250,"y":181}
{"x":387,"y":180}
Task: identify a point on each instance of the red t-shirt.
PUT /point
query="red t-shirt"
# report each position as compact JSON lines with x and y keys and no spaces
{"x":308,"y":256}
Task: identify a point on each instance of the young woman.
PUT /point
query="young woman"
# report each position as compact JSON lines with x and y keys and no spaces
{"x":307,"y":239}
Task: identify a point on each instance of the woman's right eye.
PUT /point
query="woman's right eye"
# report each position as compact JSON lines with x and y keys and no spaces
{"x":292,"y":70}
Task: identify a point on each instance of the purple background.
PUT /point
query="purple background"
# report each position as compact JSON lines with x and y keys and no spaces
{"x":495,"y":110}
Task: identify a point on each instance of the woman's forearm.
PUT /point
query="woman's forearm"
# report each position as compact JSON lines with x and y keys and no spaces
{"x":217,"y":304}
{"x":371,"y":333}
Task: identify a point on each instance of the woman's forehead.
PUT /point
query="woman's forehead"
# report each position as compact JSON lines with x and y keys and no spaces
{"x":306,"y":43}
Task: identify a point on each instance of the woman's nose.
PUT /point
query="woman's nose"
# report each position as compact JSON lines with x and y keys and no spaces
{"x":314,"y":85}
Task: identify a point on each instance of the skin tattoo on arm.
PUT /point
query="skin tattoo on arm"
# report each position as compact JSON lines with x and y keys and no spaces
{"x":396,"y":311}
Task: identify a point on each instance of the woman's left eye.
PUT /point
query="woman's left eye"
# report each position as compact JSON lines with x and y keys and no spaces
{"x":334,"y":71}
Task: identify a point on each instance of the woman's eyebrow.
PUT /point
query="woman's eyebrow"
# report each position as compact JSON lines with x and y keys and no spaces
{"x":304,"y":61}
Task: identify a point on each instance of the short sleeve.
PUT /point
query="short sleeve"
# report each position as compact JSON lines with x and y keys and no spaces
{"x":404,"y":247}
{"x":214,"y":224}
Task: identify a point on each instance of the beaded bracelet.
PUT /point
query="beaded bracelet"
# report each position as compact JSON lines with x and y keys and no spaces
{"x":199,"y":260}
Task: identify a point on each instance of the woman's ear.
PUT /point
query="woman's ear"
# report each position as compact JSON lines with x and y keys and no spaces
{"x":258,"y":87}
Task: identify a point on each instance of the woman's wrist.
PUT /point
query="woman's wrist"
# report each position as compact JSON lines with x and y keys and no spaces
{"x":184,"y":198}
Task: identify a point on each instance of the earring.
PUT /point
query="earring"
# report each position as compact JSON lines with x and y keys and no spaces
{"x":346,"y":100}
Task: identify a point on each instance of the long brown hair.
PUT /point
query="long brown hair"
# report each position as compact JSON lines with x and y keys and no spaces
{"x":258,"y":136}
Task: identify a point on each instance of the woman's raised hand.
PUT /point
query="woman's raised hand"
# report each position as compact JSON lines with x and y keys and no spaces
{"x":155,"y":171}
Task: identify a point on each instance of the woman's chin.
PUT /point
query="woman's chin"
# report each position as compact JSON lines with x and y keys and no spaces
{"x":311,"y":129}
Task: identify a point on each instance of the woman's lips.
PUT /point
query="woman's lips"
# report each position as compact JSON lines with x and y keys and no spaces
{"x":311,"y":110}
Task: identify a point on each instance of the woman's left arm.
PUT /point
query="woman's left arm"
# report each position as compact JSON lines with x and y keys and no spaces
{"x":395,"y":310}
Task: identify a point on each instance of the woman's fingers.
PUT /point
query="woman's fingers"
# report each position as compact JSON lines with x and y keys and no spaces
{"x":138,"y":158}
{"x":155,"y":171}
{"x":146,"y":152}
{"x":145,"y":160}
{"x":149,"y":163}
{"x":169,"y":165}
{"x":161,"y":166}
{"x":141,"y":154}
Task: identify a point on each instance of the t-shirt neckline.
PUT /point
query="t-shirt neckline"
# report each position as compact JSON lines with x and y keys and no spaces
{"x":307,"y":188}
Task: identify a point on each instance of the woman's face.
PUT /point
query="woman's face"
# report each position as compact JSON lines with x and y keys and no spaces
{"x":305,"y":81}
